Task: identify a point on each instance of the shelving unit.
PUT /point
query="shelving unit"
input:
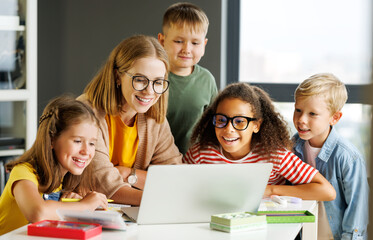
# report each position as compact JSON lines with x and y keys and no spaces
{"x":18,"y":107}
{"x":23,"y":102}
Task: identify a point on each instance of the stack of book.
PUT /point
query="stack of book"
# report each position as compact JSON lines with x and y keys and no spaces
{"x":238,"y":222}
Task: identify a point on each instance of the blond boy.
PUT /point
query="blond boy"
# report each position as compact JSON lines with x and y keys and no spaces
{"x":192,"y":87}
{"x":318,"y":103}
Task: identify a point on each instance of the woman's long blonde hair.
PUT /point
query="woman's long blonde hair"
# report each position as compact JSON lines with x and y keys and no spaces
{"x":102,"y":91}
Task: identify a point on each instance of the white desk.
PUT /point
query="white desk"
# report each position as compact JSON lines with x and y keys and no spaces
{"x":180,"y":232}
{"x":193,"y":231}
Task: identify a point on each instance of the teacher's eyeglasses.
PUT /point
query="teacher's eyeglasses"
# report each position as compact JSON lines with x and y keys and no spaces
{"x":238,"y":122}
{"x":140,"y":83}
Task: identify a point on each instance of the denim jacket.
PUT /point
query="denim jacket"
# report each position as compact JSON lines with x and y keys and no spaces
{"x":344,"y":167}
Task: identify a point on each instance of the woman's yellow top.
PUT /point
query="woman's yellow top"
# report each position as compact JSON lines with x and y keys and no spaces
{"x":123,"y":141}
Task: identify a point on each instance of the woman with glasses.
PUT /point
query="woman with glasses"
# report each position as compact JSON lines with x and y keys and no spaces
{"x":242,"y":126}
{"x":129,"y":96}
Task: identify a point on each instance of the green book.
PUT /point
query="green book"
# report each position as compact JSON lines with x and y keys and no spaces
{"x":239,"y":221}
{"x":288,"y":216}
{"x":239,"y":228}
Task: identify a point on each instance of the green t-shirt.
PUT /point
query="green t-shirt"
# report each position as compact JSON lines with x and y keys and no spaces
{"x":189,"y":96}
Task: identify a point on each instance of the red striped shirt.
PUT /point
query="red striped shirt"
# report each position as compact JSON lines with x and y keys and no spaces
{"x":286,"y":165}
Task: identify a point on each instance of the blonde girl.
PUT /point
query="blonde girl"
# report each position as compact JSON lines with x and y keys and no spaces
{"x":58,"y":160}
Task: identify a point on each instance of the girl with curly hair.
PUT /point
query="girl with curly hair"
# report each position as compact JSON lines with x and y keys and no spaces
{"x":242,"y":126}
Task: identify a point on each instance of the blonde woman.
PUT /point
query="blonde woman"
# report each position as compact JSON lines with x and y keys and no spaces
{"x":129,"y":96}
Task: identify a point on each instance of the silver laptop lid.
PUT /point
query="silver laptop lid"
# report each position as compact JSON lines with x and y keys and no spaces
{"x":192,"y":193}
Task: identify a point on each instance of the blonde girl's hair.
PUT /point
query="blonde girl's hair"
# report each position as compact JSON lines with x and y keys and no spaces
{"x":273,"y":133}
{"x":327,"y":85}
{"x":58,"y":116}
{"x":102,"y":91}
{"x":184,"y":15}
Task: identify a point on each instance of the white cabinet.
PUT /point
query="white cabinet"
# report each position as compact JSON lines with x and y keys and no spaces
{"x":18,"y":73}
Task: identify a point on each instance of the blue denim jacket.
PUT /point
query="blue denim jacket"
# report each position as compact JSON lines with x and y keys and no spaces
{"x":344,"y":167}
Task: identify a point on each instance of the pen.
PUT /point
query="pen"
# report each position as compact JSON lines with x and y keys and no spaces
{"x":77,"y":200}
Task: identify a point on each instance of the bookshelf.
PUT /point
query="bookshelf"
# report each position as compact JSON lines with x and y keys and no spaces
{"x":18,"y":77}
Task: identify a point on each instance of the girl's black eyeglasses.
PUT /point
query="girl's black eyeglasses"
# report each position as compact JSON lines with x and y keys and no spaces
{"x":239,"y":123}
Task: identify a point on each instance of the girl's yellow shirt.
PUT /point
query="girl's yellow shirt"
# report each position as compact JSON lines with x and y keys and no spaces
{"x":123,"y":141}
{"x":11,"y":216}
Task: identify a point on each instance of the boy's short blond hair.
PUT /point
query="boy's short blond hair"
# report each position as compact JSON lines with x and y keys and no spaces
{"x":183,"y":15}
{"x":327,"y":85}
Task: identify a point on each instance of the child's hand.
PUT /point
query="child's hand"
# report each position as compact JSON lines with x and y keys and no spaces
{"x":95,"y":200}
{"x":268,"y":191}
{"x":71,"y":195}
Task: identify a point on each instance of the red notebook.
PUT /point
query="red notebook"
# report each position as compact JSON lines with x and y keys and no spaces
{"x":64,"y":229}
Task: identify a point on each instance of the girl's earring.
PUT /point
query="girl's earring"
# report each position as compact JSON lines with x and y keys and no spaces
{"x":118,"y":85}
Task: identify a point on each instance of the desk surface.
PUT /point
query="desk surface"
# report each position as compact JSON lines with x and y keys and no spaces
{"x":190,"y":231}
{"x":179,"y":231}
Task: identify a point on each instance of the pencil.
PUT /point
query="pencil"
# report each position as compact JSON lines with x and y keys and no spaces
{"x":77,"y":200}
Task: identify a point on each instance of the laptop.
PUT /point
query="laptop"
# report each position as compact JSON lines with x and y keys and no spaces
{"x":191,"y":193}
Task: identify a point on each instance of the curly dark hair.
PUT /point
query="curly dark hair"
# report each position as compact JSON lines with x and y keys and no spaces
{"x":273,"y":133}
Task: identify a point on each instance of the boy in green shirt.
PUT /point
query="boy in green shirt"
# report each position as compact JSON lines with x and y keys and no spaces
{"x":192,"y":87}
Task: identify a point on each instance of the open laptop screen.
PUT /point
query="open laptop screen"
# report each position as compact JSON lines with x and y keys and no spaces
{"x":192,"y":193}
